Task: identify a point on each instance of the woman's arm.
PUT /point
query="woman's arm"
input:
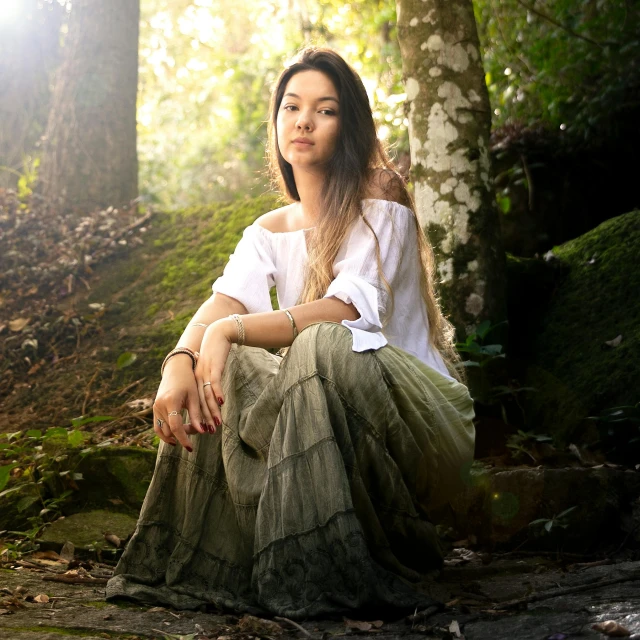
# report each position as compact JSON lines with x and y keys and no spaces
{"x":269,"y":329}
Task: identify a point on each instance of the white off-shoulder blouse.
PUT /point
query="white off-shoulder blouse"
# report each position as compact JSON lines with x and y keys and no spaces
{"x":263,"y":259}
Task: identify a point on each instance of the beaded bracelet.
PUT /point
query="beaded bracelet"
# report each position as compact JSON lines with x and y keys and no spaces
{"x":194,"y":355}
{"x":240,"y":325}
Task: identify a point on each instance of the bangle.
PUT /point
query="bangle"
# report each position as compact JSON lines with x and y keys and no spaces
{"x":240,"y":326}
{"x":293,"y":323}
{"x":198,"y":324}
{"x":194,"y":355}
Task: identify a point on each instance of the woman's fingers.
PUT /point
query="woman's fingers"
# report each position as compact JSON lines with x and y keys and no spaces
{"x":177,"y":429}
{"x":161,"y":428}
{"x":195,"y":414}
{"x":210,"y":398}
{"x":204,"y":407}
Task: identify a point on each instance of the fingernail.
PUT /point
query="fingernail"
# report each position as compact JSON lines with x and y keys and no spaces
{"x":220,"y":401}
{"x":173,"y":444}
{"x":203,"y":426}
{"x":189,"y":449}
{"x":216,"y":420}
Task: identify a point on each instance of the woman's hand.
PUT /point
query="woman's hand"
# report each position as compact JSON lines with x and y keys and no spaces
{"x":177,"y":391}
{"x":214,"y":351}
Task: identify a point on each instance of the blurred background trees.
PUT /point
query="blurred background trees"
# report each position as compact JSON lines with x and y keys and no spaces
{"x":566,"y":68}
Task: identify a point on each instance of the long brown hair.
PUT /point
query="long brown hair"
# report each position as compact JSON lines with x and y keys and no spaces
{"x":359,"y":158}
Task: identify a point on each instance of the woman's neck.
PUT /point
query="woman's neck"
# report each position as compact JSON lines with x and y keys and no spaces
{"x":309,"y":185}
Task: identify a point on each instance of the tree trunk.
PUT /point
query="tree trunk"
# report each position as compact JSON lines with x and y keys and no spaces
{"x":90,"y":157}
{"x":449,"y":126}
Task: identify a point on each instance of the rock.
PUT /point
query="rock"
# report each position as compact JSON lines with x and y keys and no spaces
{"x":85,"y":529}
{"x":575,"y":372}
{"x":499,"y":504}
{"x":116,"y":478}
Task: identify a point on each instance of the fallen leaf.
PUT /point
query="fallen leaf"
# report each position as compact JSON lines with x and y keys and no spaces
{"x":113,"y":539}
{"x":615,"y":342}
{"x":68,"y":550}
{"x":47,"y":555}
{"x":357,"y":625}
{"x":454,"y":628}
{"x":377,"y":623}
{"x":18,"y":324}
{"x":5,"y":612}
{"x":612,"y":629}
{"x":259,"y":626}
{"x":42,"y":598}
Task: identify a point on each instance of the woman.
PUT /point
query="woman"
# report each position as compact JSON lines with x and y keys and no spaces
{"x":304,"y":488}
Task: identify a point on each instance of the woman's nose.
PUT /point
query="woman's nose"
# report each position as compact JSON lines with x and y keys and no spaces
{"x":304,"y":122}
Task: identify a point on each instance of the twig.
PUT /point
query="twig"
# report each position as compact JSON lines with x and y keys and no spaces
{"x":536,"y":597}
{"x":423,"y":615}
{"x":74,"y":579}
{"x":88,"y":391}
{"x":135,"y":224}
{"x":527,"y":173}
{"x":295,"y":625}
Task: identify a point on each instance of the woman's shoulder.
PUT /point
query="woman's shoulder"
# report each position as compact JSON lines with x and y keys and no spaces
{"x":278,"y":220}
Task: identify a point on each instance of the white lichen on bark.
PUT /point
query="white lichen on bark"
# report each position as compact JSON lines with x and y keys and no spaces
{"x":449,"y":120}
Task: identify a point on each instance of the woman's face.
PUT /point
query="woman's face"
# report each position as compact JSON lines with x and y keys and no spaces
{"x":308,"y":121}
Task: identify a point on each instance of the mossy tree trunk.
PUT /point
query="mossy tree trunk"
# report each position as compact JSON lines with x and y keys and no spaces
{"x":449,"y":126}
{"x":90,"y":157}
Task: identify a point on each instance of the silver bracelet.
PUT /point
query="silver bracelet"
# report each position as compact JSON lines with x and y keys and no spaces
{"x":240,"y":325}
{"x":198,"y":324}
{"x":293,"y":323}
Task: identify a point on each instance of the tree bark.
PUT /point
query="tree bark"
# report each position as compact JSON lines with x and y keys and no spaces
{"x":449,"y":126}
{"x":90,"y":157}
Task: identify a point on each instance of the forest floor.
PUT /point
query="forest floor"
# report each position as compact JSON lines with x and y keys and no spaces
{"x":87,"y":310}
{"x":536,"y":597}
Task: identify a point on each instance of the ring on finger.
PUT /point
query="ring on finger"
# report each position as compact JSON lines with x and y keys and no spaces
{"x":173,"y":413}
{"x":206,"y":384}
{"x":159,"y":422}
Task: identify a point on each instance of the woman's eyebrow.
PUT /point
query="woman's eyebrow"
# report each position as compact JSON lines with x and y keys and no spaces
{"x":323,"y":99}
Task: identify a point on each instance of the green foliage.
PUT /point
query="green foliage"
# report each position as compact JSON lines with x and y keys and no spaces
{"x":560,"y":521}
{"x":45,"y":465}
{"x":565,"y":62}
{"x":523,"y":443}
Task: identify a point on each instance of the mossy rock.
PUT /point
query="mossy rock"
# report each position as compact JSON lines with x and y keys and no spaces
{"x":116,"y":478}
{"x":85,"y":529}
{"x":576,"y":373}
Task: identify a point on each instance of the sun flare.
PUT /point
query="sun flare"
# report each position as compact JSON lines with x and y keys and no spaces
{"x":9,"y":10}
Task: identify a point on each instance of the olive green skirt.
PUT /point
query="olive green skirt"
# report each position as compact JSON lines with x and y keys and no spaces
{"x":311,"y":500}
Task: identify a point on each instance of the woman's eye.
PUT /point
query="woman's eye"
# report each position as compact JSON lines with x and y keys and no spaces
{"x":328,"y":112}
{"x":290,"y":107}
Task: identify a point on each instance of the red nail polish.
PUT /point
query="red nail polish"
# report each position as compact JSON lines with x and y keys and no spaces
{"x":210,"y":428}
{"x":189,"y":449}
{"x":203,"y":426}
{"x":220,"y":401}
{"x":173,"y":444}
{"x":216,"y":421}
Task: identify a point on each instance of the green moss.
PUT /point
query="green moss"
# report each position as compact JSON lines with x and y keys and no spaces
{"x":576,"y":373}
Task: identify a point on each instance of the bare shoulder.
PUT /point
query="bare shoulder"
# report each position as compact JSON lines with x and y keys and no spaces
{"x":276,"y":221}
{"x":387,"y":185}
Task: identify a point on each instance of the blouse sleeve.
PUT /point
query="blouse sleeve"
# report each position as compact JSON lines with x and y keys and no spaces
{"x":356,"y":270}
{"x":250,"y":272}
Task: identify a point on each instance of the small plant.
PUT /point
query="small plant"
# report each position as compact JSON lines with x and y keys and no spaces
{"x":43,"y":467}
{"x":560,"y":521}
{"x":524,"y":443}
{"x":480,"y":354}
